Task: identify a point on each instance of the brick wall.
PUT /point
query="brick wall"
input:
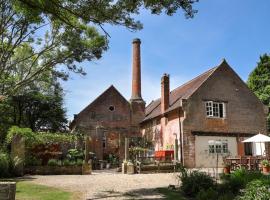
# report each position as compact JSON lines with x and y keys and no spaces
{"x":244,"y":112}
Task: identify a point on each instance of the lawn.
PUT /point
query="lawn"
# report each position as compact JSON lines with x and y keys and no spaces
{"x":26,"y":190}
{"x":30,"y":191}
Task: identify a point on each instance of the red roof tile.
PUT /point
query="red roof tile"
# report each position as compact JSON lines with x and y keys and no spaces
{"x":182,"y":92}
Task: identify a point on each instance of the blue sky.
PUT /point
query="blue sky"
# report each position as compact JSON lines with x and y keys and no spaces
{"x":237,"y":30}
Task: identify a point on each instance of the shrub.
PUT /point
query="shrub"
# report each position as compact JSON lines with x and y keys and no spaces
{"x":257,"y":190}
{"x":4,"y":165}
{"x":208,"y":194}
{"x":53,"y":162}
{"x":226,"y":196}
{"x":74,"y":154}
{"x":66,"y":162}
{"x":238,"y":180}
{"x":79,"y":162}
{"x":32,"y":161}
{"x":196,"y":181}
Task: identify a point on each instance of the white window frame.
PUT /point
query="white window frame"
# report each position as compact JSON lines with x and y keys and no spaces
{"x":218,"y":147}
{"x":213,"y":109}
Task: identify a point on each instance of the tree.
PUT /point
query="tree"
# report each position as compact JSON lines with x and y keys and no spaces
{"x":64,"y":33}
{"x":39,"y":107}
{"x":259,"y":82}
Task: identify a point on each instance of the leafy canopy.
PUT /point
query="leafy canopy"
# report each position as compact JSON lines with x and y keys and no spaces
{"x":39,"y":35}
{"x":259,"y":82}
{"x":34,"y":138}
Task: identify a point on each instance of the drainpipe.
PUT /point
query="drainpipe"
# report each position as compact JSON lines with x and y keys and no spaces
{"x":180,"y":136}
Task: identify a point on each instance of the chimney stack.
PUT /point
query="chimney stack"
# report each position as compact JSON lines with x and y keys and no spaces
{"x":165,"y":92}
{"x":136,"y":70}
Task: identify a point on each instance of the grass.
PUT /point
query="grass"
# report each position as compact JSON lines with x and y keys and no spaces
{"x":26,"y":190}
{"x":30,"y":191}
{"x":171,"y":194}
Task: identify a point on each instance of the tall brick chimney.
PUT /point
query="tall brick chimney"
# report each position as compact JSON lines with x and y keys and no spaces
{"x":165,"y":92}
{"x":136,"y":101}
{"x":136,"y":70}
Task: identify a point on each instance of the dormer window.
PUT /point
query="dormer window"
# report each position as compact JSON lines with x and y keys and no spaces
{"x":215,"y":109}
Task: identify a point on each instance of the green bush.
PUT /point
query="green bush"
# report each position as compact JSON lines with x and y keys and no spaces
{"x":196,"y":181}
{"x":79,"y":162}
{"x":255,"y":190}
{"x":238,"y":180}
{"x":74,"y":154}
{"x":66,"y":162}
{"x":4,"y":165}
{"x":32,"y":161}
{"x":226,"y":196}
{"x":209,"y":194}
{"x":53,"y":162}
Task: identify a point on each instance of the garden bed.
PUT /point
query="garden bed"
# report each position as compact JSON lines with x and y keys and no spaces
{"x":53,"y":170}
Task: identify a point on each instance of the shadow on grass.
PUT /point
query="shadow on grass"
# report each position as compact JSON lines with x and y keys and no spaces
{"x":144,"y":193}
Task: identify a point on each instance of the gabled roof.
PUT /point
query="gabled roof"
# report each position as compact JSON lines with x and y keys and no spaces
{"x":182,"y":92}
{"x":92,"y":104}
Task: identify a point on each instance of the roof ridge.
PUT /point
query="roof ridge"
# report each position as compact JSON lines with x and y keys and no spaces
{"x":186,"y":83}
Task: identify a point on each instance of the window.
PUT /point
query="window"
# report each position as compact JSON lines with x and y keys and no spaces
{"x":111,"y":108}
{"x":218,"y":146}
{"x":215,"y":109}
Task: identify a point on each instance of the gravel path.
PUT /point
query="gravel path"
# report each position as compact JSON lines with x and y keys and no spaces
{"x":107,"y":185}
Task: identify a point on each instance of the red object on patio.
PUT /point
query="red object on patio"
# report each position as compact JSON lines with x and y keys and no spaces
{"x":164,"y":155}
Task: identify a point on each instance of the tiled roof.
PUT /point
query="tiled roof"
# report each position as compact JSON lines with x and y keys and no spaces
{"x":182,"y":92}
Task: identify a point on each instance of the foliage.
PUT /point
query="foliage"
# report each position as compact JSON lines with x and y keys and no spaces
{"x":32,"y":161}
{"x":112,"y":159}
{"x":53,"y":162}
{"x":39,"y":108}
{"x":265,"y":163}
{"x":194,"y":182}
{"x":259,"y":82}
{"x":4,"y":165}
{"x":209,"y":194}
{"x":255,"y":190}
{"x":79,"y":162}
{"x":72,"y":34}
{"x":74,"y":154}
{"x":238,"y":180}
{"x":66,"y":162}
{"x":32,"y":138}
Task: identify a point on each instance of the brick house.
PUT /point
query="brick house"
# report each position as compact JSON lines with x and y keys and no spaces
{"x":110,"y":117}
{"x":210,"y":114}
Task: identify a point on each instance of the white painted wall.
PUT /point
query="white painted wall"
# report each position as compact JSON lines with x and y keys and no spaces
{"x":204,"y":159}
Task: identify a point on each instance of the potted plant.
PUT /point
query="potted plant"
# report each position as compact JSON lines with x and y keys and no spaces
{"x":227,"y":168}
{"x":265,"y":166}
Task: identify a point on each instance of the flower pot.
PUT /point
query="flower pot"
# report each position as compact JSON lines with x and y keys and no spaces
{"x":227,"y":170}
{"x":266,"y":169}
{"x":108,"y":165}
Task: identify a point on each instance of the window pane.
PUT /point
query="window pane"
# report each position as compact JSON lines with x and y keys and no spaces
{"x":211,"y":148}
{"x":215,"y":110}
{"x":221,"y":110}
{"x":225,"y":147}
{"x":218,"y":148}
{"x":209,"y":108}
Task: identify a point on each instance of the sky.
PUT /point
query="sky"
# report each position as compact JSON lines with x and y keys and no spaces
{"x":237,"y":30}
